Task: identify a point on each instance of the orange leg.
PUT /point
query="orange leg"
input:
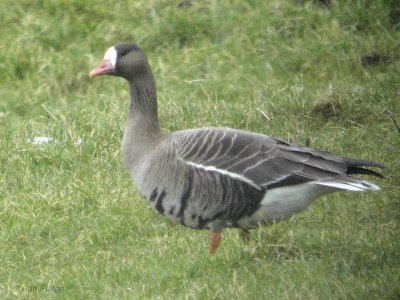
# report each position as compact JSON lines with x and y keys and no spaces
{"x":215,"y":238}
{"x":245,"y":235}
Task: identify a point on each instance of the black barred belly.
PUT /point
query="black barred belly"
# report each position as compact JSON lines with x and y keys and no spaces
{"x":207,"y":197}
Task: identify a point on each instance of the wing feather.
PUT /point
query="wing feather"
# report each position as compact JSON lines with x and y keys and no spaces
{"x":261,"y":159}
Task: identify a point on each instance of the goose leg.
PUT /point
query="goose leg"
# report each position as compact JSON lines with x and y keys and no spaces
{"x":245,"y":235}
{"x":215,"y":238}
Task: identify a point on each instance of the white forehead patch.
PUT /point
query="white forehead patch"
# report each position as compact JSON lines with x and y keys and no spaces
{"x":111,"y":56}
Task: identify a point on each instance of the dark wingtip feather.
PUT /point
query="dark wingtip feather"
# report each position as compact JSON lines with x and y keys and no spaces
{"x":358,"y":170}
{"x":351,"y":162}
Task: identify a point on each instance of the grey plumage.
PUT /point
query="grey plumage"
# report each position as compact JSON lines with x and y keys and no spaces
{"x":220,"y":177}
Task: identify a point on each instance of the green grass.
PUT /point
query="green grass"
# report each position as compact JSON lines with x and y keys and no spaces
{"x":70,"y":218}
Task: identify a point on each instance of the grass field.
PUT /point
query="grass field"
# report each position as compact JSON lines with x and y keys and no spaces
{"x":72,"y":225}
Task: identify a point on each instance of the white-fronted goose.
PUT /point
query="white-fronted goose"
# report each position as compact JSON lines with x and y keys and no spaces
{"x":216,"y":178}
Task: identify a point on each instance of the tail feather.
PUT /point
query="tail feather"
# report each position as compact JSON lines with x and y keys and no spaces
{"x":354,"y":185}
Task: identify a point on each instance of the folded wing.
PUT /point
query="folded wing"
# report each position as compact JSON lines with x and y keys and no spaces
{"x":265,"y":161}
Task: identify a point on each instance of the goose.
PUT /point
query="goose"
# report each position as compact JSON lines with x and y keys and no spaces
{"x":216,"y":178}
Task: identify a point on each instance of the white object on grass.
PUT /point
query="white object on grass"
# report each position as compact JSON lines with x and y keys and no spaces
{"x":41,"y":140}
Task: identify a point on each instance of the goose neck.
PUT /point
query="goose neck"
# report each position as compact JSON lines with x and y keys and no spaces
{"x":143,"y":105}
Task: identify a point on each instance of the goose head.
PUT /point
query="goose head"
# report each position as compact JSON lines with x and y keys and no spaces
{"x":123,"y":60}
